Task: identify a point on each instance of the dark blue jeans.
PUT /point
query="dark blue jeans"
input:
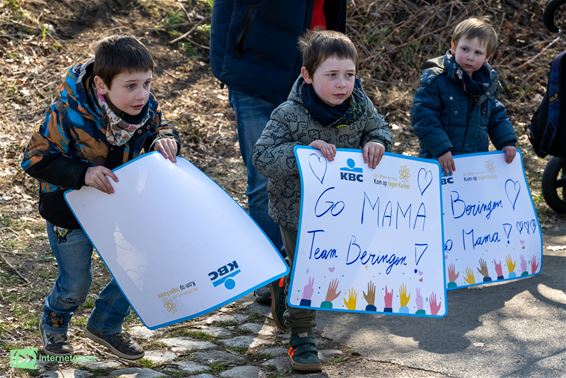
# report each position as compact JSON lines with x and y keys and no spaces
{"x":73,"y":251}
{"x":252,"y":114}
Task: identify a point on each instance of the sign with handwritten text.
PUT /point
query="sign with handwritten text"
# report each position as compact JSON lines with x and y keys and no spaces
{"x":491,"y":227}
{"x":370,"y":240}
{"x":176,"y":243}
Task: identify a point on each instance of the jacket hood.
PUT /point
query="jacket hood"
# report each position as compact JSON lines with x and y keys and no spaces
{"x":447,"y":63}
{"x":76,"y":92}
{"x":295,"y":93}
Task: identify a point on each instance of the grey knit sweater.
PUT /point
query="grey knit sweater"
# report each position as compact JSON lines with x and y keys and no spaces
{"x":291,"y":125}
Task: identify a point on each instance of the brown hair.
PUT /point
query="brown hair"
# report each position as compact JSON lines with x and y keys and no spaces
{"x":477,"y":27}
{"x":118,"y":53}
{"x":318,"y":45}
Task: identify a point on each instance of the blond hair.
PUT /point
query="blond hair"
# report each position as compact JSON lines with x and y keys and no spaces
{"x":477,"y":27}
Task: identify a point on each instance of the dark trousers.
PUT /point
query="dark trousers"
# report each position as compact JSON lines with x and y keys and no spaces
{"x":298,"y":320}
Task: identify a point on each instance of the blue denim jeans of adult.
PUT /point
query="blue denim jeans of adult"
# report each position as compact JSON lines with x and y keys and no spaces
{"x":73,"y":251}
{"x":252,"y":114}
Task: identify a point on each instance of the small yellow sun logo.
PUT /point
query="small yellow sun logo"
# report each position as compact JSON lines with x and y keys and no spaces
{"x":404,"y":173}
{"x":170,"y":306}
{"x":490,"y":166}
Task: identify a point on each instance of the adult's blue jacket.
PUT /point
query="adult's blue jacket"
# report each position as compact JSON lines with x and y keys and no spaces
{"x":253,"y":43}
{"x":455,"y":112}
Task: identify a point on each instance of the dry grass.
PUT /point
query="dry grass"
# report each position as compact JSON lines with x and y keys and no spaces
{"x":40,"y":38}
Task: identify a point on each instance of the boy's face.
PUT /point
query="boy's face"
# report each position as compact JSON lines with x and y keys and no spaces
{"x":333,"y":81}
{"x":470,"y":54}
{"x":129,"y":91}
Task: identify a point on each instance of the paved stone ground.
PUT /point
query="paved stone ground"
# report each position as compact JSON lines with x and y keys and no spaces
{"x":238,"y":340}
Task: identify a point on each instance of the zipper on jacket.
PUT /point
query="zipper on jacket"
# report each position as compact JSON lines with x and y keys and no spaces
{"x":470,"y":112}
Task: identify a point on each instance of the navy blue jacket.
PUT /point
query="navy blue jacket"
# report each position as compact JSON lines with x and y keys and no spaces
{"x":447,"y":115}
{"x":253,"y":43}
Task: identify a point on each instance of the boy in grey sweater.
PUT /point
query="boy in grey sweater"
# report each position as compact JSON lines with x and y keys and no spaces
{"x":326,"y":109}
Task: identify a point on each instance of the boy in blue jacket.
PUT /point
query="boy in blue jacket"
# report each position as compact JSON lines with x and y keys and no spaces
{"x":104,"y":116}
{"x":455,"y":110}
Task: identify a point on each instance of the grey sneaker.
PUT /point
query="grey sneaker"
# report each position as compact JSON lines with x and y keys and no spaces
{"x":121,"y":344}
{"x":54,"y":344}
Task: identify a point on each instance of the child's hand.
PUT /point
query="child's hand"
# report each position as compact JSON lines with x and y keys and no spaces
{"x":373,"y":152}
{"x":447,"y":163}
{"x":97,"y":177}
{"x":510,"y":152}
{"x":168,"y":148}
{"x":328,"y":150}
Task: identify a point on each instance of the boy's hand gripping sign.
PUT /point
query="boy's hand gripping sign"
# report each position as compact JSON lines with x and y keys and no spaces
{"x":177,"y":244}
{"x":491,"y":227}
{"x":370,"y":240}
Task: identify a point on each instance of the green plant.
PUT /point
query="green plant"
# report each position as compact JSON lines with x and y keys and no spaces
{"x":188,"y":49}
{"x":173,"y":19}
{"x":207,"y":3}
{"x":204,"y":29}
{"x":144,"y":362}
{"x":199,"y":335}
{"x":218,"y":367}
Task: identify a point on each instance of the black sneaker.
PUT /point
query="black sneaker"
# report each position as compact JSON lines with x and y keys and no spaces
{"x":54,"y":344}
{"x":303,"y":353}
{"x":121,"y":344}
{"x":278,"y":302}
{"x":263,"y":295}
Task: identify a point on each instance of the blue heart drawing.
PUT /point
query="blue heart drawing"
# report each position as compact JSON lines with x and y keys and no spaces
{"x":512,"y":189}
{"x":424,"y":179}
{"x":318,"y":166}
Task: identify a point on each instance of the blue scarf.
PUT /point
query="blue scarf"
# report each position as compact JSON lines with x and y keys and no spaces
{"x":476,"y":84}
{"x":334,"y":116}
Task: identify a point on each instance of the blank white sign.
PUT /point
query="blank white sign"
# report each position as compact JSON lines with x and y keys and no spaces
{"x":178,"y":245}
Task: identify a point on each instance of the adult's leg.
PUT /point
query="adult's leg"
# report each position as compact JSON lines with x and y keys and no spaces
{"x":252,"y":114}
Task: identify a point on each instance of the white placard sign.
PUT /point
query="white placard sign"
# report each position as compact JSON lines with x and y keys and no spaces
{"x":370,"y":240}
{"x":491,"y":227}
{"x":178,"y":245}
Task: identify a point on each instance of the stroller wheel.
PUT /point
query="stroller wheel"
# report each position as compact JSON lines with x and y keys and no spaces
{"x":554,"y":184}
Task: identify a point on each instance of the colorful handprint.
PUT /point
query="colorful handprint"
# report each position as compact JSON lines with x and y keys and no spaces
{"x":510,"y":266}
{"x":470,"y":278}
{"x":484,"y":271}
{"x":388,"y":300}
{"x":331,"y":294}
{"x":420,"y":304}
{"x":498,"y":269}
{"x":404,"y":299}
{"x":308,"y":291}
{"x":350,"y":303}
{"x":370,"y":297}
{"x":452,"y":276}
{"x":534,"y":265}
{"x":524,"y":270}
{"x":434,"y":307}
